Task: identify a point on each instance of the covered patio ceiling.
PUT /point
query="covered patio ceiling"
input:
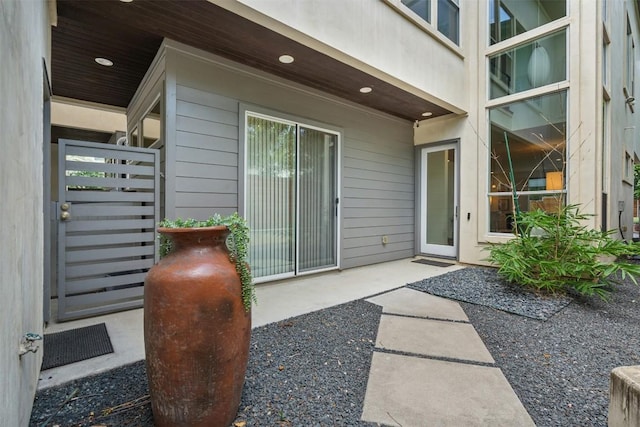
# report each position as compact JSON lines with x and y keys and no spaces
{"x":130,"y":33}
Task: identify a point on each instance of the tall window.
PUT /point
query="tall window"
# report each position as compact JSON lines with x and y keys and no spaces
{"x":291,"y":196}
{"x":528,"y":135}
{"x":531,"y":136}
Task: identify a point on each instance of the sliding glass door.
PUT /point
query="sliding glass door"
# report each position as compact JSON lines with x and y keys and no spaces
{"x":290,"y":197}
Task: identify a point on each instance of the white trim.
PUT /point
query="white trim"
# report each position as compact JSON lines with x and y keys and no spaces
{"x":527,"y":94}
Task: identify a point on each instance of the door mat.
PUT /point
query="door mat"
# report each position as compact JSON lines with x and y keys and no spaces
{"x":63,"y":348}
{"x":431,"y":262}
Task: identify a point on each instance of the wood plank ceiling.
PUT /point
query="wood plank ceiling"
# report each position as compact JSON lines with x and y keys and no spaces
{"x":129,"y":34}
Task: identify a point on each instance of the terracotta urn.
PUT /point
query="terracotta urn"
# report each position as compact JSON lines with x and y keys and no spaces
{"x":196,"y":331}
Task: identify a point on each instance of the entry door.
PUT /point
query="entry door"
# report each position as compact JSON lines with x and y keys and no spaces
{"x":108,"y":205}
{"x":439,"y":201}
{"x":291,"y":197}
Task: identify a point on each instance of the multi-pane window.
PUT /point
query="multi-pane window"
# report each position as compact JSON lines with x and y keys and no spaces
{"x":446,"y":11}
{"x":527,"y":135}
{"x":530,"y":135}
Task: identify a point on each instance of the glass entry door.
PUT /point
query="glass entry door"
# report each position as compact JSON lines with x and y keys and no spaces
{"x":439,"y":201}
{"x":291,"y":197}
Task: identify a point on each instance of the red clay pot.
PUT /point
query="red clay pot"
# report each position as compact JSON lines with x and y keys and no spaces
{"x":196,"y":331}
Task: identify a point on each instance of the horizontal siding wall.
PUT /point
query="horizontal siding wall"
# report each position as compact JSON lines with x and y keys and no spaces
{"x":206,"y":154}
{"x":377,"y":154}
{"x":378,"y":197}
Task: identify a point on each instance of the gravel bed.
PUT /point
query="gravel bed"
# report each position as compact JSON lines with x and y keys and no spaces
{"x":560,"y":368}
{"x":312,"y":370}
{"x":482,"y":285}
{"x":306,"y":371}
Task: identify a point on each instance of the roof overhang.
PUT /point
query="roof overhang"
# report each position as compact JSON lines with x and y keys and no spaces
{"x":130,"y":33}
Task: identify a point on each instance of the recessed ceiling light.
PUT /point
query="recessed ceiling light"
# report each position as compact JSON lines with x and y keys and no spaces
{"x":104,"y":61}
{"x":126,"y":1}
{"x":365,"y":89}
{"x":427,"y":114}
{"x":286,"y":59}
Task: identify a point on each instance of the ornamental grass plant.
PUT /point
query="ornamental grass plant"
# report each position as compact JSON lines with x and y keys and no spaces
{"x":555,"y":253}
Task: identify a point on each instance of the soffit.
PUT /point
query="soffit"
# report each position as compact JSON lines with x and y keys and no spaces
{"x":130,"y":34}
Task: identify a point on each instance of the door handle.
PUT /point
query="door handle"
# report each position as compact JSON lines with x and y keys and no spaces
{"x":65,"y":216}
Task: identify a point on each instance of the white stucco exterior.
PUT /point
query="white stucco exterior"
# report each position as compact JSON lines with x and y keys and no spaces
{"x":25,"y":45}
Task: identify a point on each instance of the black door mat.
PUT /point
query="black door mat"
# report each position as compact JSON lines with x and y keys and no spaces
{"x":63,"y":348}
{"x":431,"y":262}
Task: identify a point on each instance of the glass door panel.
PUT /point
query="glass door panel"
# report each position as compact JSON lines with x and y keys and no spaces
{"x":271,"y":196}
{"x":439,"y":201}
{"x":317,"y":199}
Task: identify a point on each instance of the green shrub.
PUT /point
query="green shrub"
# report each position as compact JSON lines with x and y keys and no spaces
{"x":554,"y":252}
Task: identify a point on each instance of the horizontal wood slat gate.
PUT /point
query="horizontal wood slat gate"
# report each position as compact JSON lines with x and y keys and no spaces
{"x":107,"y":212}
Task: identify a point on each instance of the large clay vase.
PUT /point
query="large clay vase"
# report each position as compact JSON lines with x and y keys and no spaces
{"x":196,"y":331}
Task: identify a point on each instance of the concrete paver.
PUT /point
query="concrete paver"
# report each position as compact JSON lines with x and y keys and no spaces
{"x":411,"y":391}
{"x":432,"y":338}
{"x":410,"y":302}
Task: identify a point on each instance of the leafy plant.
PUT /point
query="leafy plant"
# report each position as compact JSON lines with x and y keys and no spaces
{"x":554,"y":252}
{"x":237,"y":243}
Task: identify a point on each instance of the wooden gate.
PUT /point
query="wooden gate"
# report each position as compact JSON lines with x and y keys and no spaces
{"x":107,"y":212}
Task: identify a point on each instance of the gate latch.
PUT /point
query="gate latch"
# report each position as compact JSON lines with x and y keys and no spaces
{"x":28,"y":343}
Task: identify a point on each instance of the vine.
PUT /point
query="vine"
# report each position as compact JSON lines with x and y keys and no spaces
{"x":237,"y":243}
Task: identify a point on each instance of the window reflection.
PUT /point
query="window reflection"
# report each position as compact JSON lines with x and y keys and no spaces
{"x":508,"y":18}
{"x":533,"y":133}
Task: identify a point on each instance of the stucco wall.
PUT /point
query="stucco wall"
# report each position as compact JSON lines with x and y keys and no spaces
{"x":24,"y":42}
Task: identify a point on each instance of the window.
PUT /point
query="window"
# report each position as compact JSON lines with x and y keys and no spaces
{"x":446,"y":11}
{"x":291,"y":196}
{"x":630,"y":62}
{"x":605,"y":57}
{"x":528,"y":66}
{"x":511,"y":18}
{"x":628,"y":168}
{"x":532,"y":132}
{"x":151,"y":127}
{"x":448,"y":19}
{"x":422,"y":8}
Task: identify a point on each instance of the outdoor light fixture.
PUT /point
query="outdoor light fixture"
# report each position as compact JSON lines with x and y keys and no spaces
{"x":427,"y":114}
{"x":365,"y":89}
{"x":286,"y":59}
{"x":104,"y":61}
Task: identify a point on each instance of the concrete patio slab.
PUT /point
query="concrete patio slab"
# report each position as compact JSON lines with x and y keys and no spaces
{"x":432,"y":338}
{"x":276,"y":301}
{"x":412,"y":391}
{"x":410,"y":302}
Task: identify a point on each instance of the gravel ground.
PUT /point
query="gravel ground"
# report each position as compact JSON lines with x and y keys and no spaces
{"x":481,"y":285}
{"x":560,"y":368}
{"x":313,"y":369}
{"x":308,"y":370}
